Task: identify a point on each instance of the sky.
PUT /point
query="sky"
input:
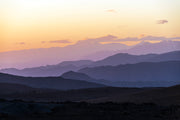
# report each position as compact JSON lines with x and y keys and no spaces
{"x":29,"y":24}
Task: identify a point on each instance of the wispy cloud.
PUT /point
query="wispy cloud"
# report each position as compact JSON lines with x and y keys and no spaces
{"x":111,"y":38}
{"x":151,"y":38}
{"x":128,"y":39}
{"x":154,"y":38}
{"x":98,"y":40}
{"x":60,"y":41}
{"x":162,"y":21}
{"x":43,"y":41}
{"x":111,"y":11}
{"x":21,"y":43}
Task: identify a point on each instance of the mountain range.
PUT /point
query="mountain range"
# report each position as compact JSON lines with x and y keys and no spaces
{"x":143,"y":74}
{"x":125,"y":58}
{"x":49,"y":70}
{"x":117,"y":59}
{"x":143,"y":47}
{"x":90,"y":49}
{"x":48,"y":56}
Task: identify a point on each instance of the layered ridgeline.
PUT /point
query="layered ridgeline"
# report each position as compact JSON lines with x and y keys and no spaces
{"x":124,"y":58}
{"x":47,"y":56}
{"x":85,"y":49}
{"x":139,"y":49}
{"x":117,"y":59}
{"x":146,"y":74}
{"x":49,"y":70}
{"x":48,"y":82}
{"x":84,"y":77}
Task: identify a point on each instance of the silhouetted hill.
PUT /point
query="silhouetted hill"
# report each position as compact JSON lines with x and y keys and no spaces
{"x":48,"y":82}
{"x":7,"y":88}
{"x":84,"y":77}
{"x":143,"y":74}
{"x":76,"y":75}
{"x":14,"y":88}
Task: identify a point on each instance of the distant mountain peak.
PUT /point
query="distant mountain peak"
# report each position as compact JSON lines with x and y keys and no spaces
{"x":143,"y":42}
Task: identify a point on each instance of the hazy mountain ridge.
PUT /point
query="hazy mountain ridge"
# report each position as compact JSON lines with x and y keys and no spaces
{"x":157,"y":48}
{"x":125,"y":58}
{"x":143,"y":47}
{"x":47,"y":56}
{"x":117,"y":59}
{"x":49,"y":70}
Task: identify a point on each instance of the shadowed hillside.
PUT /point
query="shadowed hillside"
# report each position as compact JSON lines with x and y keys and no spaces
{"x":163,"y":96}
{"x":48,"y":82}
{"x":144,"y":74}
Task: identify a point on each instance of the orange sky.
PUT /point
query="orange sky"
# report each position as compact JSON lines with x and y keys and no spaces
{"x":24,"y":24}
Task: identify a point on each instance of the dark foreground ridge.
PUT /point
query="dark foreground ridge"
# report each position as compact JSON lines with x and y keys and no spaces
{"x":19,"y":110}
{"x":160,"y":96}
{"x":47,"y":82}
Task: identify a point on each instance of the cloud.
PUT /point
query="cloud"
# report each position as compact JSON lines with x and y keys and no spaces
{"x":43,"y":41}
{"x":144,"y":38}
{"x":162,"y":21}
{"x":21,"y":43}
{"x":154,"y":38}
{"x":127,"y":39}
{"x":60,"y":41}
{"x":111,"y":11}
{"x":111,"y":38}
{"x":107,"y":38}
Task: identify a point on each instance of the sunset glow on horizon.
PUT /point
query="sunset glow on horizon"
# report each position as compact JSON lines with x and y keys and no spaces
{"x":27,"y":24}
